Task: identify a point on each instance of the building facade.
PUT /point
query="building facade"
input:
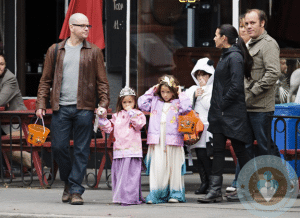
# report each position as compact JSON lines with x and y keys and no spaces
{"x":160,"y":34}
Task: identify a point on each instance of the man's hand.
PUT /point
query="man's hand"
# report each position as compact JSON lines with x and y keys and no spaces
{"x":101,"y":112}
{"x":249,"y":98}
{"x":40,"y":113}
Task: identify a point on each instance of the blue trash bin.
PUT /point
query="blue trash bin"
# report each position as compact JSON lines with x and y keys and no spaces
{"x":288,"y":109}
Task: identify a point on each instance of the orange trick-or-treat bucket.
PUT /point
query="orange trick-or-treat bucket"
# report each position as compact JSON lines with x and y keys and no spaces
{"x":37,"y":134}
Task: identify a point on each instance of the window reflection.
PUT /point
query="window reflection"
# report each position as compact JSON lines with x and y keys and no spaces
{"x":161,"y":40}
{"x":161,"y":31}
{"x":289,"y":80}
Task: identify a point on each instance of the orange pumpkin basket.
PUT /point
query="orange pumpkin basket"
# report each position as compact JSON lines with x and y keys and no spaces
{"x":191,"y":126}
{"x":37,"y":134}
{"x":187,"y":123}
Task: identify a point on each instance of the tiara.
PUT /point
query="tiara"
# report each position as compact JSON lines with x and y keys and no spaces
{"x":169,"y":81}
{"x":127,"y":91}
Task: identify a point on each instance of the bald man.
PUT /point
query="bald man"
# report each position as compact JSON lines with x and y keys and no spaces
{"x":77,"y":77}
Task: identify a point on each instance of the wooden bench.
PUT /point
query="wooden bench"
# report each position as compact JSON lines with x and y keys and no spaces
{"x":291,"y":154}
{"x":16,"y":141}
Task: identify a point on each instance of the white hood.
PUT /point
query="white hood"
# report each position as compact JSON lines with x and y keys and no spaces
{"x":202,"y":65}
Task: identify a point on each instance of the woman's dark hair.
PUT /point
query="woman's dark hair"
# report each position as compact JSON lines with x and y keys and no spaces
{"x":233,"y":38}
{"x":173,"y":88}
{"x":119,"y":103}
{"x":1,"y":54}
{"x":241,"y":17}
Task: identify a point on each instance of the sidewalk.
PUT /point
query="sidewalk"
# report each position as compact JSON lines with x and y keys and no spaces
{"x":36,"y":202}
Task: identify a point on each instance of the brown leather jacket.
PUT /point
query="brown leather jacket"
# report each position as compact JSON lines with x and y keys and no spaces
{"x":92,"y":78}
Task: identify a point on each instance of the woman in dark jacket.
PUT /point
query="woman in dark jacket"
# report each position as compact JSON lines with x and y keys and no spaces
{"x":227,"y":115}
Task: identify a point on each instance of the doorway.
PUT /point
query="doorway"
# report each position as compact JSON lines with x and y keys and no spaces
{"x":43,"y":22}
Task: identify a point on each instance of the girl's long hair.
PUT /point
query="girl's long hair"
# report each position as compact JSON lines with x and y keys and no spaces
{"x":119,"y":103}
{"x":233,"y":38}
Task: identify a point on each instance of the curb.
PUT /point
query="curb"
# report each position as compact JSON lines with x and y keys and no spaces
{"x":21,"y":215}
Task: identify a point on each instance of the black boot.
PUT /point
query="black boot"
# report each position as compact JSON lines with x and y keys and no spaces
{"x":214,"y":194}
{"x":204,"y":180}
{"x":204,"y":168}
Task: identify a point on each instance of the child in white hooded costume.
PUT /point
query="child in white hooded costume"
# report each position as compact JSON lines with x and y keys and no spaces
{"x":200,"y":95}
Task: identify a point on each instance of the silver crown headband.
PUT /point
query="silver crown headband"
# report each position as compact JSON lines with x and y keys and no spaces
{"x":127,"y":91}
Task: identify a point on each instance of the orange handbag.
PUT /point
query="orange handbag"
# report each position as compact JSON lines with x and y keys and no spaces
{"x":191,"y":126}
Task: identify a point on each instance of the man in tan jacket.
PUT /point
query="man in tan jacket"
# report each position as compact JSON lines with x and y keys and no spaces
{"x":260,"y":90}
{"x":77,"y":78}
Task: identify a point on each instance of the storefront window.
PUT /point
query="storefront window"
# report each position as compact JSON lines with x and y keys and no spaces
{"x":161,"y":41}
{"x":1,"y":26}
{"x":161,"y":30}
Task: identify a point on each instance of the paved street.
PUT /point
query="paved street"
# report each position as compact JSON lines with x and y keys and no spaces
{"x":17,"y":201}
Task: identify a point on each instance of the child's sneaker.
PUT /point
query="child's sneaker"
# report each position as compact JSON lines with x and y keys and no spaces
{"x":173,"y":200}
{"x":232,"y":188}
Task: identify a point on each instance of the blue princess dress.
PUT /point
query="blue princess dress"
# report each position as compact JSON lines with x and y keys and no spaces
{"x":166,"y":167}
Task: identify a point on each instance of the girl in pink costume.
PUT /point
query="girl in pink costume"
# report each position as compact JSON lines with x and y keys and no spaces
{"x":127,"y":149}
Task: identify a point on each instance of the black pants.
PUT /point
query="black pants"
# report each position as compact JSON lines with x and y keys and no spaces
{"x":203,"y":160}
{"x":219,"y":143}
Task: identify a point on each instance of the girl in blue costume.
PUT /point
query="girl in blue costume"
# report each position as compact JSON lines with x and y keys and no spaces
{"x":165,"y":159}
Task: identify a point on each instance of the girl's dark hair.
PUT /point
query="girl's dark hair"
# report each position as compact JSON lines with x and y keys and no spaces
{"x":173,"y":88}
{"x":233,"y":38}
{"x":120,"y":99}
{"x":202,"y":71}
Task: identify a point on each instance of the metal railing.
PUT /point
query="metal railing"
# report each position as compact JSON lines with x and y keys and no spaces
{"x":7,"y":165}
{"x":285,"y":133}
{"x":281,"y":129}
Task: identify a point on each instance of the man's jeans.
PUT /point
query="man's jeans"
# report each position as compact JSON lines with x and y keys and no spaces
{"x":68,"y":120}
{"x":260,"y":122}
